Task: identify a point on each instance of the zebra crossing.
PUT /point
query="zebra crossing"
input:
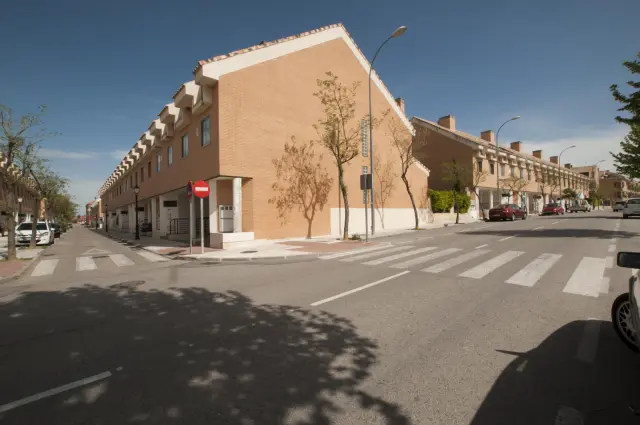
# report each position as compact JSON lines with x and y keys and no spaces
{"x":48,"y":267}
{"x":587,"y":279}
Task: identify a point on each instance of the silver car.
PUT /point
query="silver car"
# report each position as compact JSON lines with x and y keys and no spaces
{"x":624,"y":312}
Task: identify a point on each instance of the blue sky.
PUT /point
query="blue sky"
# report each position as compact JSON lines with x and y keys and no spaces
{"x":105,"y":69}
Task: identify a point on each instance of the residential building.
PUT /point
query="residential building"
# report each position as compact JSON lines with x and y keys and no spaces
{"x":615,"y":187}
{"x":526,"y":179}
{"x":22,"y":203}
{"x":228,"y":125}
{"x":95,"y":213}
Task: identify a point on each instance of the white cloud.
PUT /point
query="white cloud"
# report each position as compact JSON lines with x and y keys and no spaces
{"x":118,"y":154}
{"x":83,"y":191}
{"x":60,"y":154}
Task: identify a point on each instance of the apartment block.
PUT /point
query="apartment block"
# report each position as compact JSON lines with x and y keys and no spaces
{"x":22,"y":203}
{"x":229,"y":124}
{"x":615,"y":187}
{"x":526,"y":179}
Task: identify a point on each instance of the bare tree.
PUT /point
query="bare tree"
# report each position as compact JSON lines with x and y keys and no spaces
{"x":338,"y":131}
{"x":553,"y":183}
{"x":515,"y":184}
{"x":303,"y":182}
{"x":476,"y":179}
{"x":19,"y":140}
{"x":455,"y":174}
{"x":406,"y":146}
{"x":385,"y":183}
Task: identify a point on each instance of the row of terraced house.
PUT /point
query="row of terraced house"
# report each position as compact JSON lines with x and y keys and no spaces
{"x":229,"y":124}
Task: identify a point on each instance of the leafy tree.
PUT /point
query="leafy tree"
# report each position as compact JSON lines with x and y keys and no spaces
{"x":406,"y":146}
{"x":477,"y":178}
{"x":631,"y":102}
{"x":338,"y":130}
{"x":456,"y":175}
{"x":62,"y":208}
{"x":302,"y":182}
{"x":48,"y":185}
{"x":385,"y":177}
{"x":569,"y":193}
{"x":19,"y":141}
{"x":627,"y":162}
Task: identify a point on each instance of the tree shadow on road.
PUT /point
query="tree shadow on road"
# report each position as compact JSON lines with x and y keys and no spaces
{"x":186,"y":356}
{"x":559,"y":378}
{"x":557,"y":233}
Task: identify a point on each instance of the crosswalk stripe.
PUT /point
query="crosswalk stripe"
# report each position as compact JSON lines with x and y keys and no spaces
{"x":85,"y":263}
{"x":44,"y":268}
{"x":533,"y":271}
{"x":483,"y":269}
{"x":446,"y":265}
{"x":121,"y":260}
{"x":353,"y":252}
{"x":425,"y":258}
{"x":587,"y":277}
{"x":151,"y":256}
{"x":398,"y":256}
{"x":376,"y":253}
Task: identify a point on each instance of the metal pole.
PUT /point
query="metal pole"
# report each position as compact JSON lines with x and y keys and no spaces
{"x":366,"y":214}
{"x":191,"y":226}
{"x":498,"y":157}
{"x":201,"y":226}
{"x":137,"y":224}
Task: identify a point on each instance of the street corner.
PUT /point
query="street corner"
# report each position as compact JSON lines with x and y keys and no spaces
{"x":13,"y":269}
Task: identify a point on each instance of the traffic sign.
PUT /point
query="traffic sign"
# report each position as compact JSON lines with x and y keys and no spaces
{"x":189,"y":189}
{"x":201,"y":189}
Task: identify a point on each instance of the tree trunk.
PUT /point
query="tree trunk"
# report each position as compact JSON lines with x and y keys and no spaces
{"x":343,"y":190}
{"x":455,"y":205}
{"x":11,"y":236}
{"x":34,"y":224}
{"x":413,"y":202}
{"x":480,"y":207}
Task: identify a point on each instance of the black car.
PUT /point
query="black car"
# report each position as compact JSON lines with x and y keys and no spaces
{"x":57,"y":232}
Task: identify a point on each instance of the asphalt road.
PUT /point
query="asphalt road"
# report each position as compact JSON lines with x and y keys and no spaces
{"x":490,"y":323}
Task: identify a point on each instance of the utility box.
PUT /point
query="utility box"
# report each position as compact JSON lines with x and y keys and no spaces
{"x":225,"y":218}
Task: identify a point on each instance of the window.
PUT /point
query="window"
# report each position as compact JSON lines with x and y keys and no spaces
{"x":479,"y":165}
{"x":185,"y":145}
{"x":205,"y":131}
{"x":158,"y":162}
{"x":502,"y":169}
{"x":529,"y":175}
{"x":513,"y":171}
{"x":141,"y":174}
{"x":492,"y":168}
{"x":521,"y":173}
{"x":149,"y":169}
{"x":170,"y":156}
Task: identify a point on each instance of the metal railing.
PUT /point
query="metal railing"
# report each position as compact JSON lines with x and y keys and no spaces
{"x":180,"y":226}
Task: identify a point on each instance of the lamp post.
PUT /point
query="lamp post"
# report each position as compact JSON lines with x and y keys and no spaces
{"x":517,"y":117}
{"x":397,"y":33}
{"x":559,"y":172}
{"x":136,"y":190}
{"x":596,"y":177}
{"x":19,"y":208}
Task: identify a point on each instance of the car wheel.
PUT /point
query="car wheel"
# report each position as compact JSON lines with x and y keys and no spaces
{"x":625,"y":216}
{"x":524,"y":217}
{"x":622,"y":321}
{"x":513,"y":217}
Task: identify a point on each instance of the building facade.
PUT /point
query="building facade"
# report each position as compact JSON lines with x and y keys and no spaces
{"x":528,"y":180}
{"x":22,"y":204}
{"x":614,"y":187}
{"x":229,"y":124}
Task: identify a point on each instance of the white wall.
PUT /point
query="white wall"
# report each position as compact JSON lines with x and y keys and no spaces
{"x":394,"y":218}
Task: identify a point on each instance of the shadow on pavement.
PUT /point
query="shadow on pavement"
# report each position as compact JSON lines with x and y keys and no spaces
{"x":557,"y":233}
{"x":551,"y":383}
{"x":189,"y":356}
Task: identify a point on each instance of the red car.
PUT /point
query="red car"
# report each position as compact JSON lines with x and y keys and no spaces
{"x":507,"y":212}
{"x":552,"y":209}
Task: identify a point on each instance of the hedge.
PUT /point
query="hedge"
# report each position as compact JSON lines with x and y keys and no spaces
{"x":442,"y":201}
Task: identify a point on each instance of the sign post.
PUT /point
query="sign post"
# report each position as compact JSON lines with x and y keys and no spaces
{"x":365,"y":179}
{"x":190,"y":196}
{"x":201,"y":190}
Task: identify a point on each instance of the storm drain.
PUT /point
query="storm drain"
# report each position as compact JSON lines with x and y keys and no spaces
{"x":248,"y":252}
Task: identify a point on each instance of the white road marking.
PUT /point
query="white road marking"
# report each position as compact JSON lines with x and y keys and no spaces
{"x":121,"y":260}
{"x":538,"y":228}
{"x":376,"y":253}
{"x":532,"y":272}
{"x":482,"y":246}
{"x":353,"y":252}
{"x":555,"y":222}
{"x":425,"y":258}
{"x":589,"y":342}
{"x":508,"y":237}
{"x":54,"y":391}
{"x":344,"y":294}
{"x":604,"y":288}
{"x":614,"y":240}
{"x":96,"y":251}
{"x":437,"y":268}
{"x":608,"y":262}
{"x":151,"y":256}
{"x":45,"y":268}
{"x":85,"y":263}
{"x":612,"y":248}
{"x":483,"y":269}
{"x":398,"y":256}
{"x":587,"y":277}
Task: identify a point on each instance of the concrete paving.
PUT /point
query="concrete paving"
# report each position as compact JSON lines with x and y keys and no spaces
{"x":507,"y":324}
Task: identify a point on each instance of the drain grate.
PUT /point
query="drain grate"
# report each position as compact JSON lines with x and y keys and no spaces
{"x":248,"y":252}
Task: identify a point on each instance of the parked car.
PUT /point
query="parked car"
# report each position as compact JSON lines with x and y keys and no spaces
{"x":552,"y":209}
{"x":631,"y":208}
{"x":579,"y":208}
{"x":57,"y":231}
{"x":44,"y":233}
{"x":618,"y":206}
{"x":507,"y":212}
{"x":624,"y":311}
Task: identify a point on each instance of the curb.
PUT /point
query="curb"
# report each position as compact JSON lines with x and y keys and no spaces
{"x":248,"y":259}
{"x":19,"y":273}
{"x":128,"y":242}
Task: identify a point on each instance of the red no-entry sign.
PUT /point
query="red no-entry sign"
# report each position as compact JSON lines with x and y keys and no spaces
{"x":201,"y":189}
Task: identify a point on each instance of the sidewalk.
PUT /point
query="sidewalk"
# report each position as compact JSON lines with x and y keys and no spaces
{"x":149,"y":243}
{"x":14,"y":268}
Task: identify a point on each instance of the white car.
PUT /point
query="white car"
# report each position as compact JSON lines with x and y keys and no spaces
{"x":44,"y":233}
{"x":631,"y":207}
{"x":618,"y":206}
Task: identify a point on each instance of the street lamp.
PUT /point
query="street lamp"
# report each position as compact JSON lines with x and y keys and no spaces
{"x":136,"y":190}
{"x":559,"y":172}
{"x":517,"y":117}
{"x":19,"y":208}
{"x":397,"y":33}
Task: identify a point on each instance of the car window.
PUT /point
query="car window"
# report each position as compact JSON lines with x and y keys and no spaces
{"x":620,"y":203}
{"x":633,"y":201}
{"x":41,"y":226}
{"x":24,"y":226}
